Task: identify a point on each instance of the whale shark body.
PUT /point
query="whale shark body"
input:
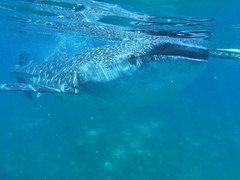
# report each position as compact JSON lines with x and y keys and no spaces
{"x":132,"y":70}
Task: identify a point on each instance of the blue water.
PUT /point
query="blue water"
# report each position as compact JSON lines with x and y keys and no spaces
{"x":193,"y":135}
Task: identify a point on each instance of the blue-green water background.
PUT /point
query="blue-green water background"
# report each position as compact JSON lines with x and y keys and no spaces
{"x":194,"y":135}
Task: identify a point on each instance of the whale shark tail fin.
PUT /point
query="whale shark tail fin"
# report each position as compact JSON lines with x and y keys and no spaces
{"x":27,"y":88}
{"x":231,"y":54}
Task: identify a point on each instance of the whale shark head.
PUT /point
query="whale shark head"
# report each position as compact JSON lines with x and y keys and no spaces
{"x":136,"y":73}
{"x":107,"y":63}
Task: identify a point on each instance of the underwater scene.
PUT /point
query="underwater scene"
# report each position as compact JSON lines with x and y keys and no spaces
{"x":119,"y":90}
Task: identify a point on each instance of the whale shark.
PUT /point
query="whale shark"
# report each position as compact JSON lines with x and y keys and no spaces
{"x":131,"y":69}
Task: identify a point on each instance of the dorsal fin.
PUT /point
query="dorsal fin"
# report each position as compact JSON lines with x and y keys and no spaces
{"x":23,"y":59}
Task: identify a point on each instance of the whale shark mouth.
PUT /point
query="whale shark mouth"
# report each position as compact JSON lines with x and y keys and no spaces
{"x":189,"y":52}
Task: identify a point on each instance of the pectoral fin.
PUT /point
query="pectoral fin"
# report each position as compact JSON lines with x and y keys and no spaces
{"x":27,"y":88}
